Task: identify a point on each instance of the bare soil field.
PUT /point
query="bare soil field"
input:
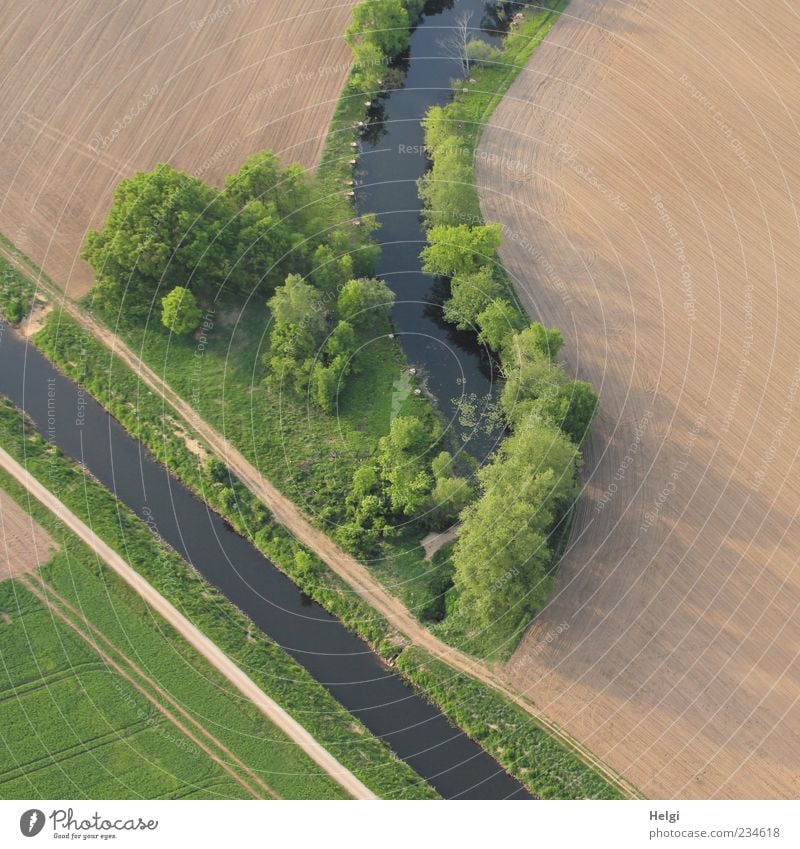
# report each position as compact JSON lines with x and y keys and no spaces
{"x":94,"y":91}
{"x":644,"y":165}
{"x":24,"y":545}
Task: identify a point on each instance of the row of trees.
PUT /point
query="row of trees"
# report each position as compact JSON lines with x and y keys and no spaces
{"x":504,"y":555}
{"x":167,"y":229}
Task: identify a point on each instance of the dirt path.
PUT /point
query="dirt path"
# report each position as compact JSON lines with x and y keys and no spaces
{"x":355,"y":574}
{"x":658,"y":228}
{"x":435,"y":541}
{"x":274,"y":712}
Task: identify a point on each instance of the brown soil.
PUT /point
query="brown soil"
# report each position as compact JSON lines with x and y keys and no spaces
{"x":93,"y":92}
{"x":659,"y":230}
{"x":24,"y":545}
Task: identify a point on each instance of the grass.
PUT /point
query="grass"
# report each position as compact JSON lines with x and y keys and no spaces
{"x":509,"y":734}
{"x":120,"y":614}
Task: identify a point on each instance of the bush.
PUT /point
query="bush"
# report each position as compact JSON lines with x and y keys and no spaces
{"x":179,"y":311}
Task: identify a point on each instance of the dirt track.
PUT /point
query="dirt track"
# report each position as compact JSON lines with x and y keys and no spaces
{"x":95,"y":91}
{"x":645,"y":167}
{"x":276,"y":714}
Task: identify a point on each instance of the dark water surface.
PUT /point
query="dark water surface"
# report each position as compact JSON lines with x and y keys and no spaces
{"x":391,"y":161}
{"x":343,"y":663}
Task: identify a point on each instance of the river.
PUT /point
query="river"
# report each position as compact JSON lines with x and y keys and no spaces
{"x":392,"y":158}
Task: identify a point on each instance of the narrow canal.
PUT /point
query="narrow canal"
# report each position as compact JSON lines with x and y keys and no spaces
{"x":344,"y":664}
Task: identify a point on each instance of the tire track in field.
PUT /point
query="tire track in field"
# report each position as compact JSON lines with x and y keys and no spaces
{"x":129,"y":677}
{"x":151,"y":683}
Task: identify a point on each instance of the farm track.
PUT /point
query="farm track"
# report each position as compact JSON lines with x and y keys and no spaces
{"x":659,"y":232}
{"x":353,"y":573}
{"x":276,"y":714}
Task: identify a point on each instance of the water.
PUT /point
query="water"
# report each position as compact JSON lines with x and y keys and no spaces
{"x":391,"y":161}
{"x":454,"y":366}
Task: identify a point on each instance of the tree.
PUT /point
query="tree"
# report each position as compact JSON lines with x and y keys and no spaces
{"x":502,"y":557}
{"x":363,"y":301}
{"x":263,"y":247}
{"x":383,"y":23}
{"x":164,"y":228}
{"x":257,"y":179}
{"x":459,"y":250}
{"x":470,"y":295}
{"x":448,"y":189}
{"x":481,"y":52}
{"x":438,"y":130}
{"x":404,"y":467}
{"x":449,"y":498}
{"x":498,"y":323}
{"x":179,"y":311}
{"x":535,"y":340}
{"x":299,"y":325}
{"x":329,"y":272}
{"x":368,"y":67}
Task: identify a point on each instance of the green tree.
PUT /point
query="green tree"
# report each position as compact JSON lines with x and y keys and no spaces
{"x":329,"y":272}
{"x":383,"y":23}
{"x":257,"y":179}
{"x":363,"y":301}
{"x":502,"y":558}
{"x":481,"y":52}
{"x":299,"y":327}
{"x":448,"y":189}
{"x":180,"y":312}
{"x":263,"y":247}
{"x":404,"y":465}
{"x":470,"y":295}
{"x":498,"y":323}
{"x":164,"y":228}
{"x":535,"y":340}
{"x":459,"y":250}
{"x":449,"y":498}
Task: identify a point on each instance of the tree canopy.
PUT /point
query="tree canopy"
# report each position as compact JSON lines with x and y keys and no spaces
{"x":179,"y":311}
{"x":164,"y":229}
